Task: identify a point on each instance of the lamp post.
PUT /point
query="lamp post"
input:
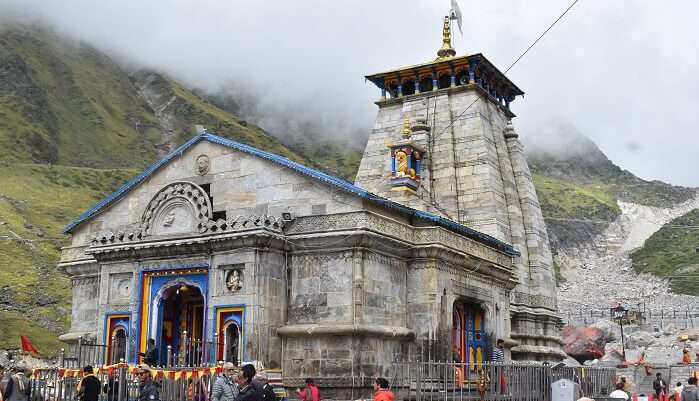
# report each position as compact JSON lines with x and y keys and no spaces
{"x":619,"y":313}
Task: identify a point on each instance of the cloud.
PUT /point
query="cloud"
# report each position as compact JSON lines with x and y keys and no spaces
{"x":621,"y":72}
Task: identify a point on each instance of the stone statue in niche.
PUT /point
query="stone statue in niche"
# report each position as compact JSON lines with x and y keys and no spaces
{"x":234,"y":280}
{"x":203,"y":164}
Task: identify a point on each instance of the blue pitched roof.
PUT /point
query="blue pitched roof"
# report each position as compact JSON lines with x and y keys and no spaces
{"x":300,"y":168}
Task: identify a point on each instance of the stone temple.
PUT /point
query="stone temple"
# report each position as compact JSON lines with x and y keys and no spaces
{"x":436,"y":250}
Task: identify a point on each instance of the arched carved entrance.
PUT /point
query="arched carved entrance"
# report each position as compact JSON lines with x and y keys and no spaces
{"x":118,"y":345}
{"x":232,"y":342}
{"x":181,"y":324}
{"x":468,"y":334}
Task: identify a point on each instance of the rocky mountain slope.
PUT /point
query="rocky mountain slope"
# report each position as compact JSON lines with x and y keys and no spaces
{"x":74,"y":125}
{"x":597,"y":214}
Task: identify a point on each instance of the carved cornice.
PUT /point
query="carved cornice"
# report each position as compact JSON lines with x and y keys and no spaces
{"x":533,"y":300}
{"x":313,"y":330}
{"x":84,"y":281}
{"x":403,"y":232}
{"x":191,"y":246}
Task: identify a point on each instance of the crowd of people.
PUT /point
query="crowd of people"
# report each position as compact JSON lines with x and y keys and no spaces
{"x":234,"y":383}
{"x":688,"y":392}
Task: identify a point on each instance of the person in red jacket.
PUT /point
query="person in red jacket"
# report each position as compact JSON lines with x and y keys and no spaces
{"x":310,"y":392}
{"x":381,"y":391}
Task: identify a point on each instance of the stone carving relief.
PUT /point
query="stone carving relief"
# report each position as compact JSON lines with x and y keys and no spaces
{"x":120,"y":286}
{"x":203,"y":164}
{"x":234,"y":280}
{"x":181,"y":207}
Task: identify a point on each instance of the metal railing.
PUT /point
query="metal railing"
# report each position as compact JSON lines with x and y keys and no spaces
{"x":450,"y":381}
{"x":83,"y":353}
{"x":190,"y":353}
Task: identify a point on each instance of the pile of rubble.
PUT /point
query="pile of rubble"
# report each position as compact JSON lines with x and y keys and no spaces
{"x":600,"y":274}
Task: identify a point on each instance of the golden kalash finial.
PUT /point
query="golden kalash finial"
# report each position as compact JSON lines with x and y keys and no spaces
{"x":406,"y":127}
{"x":446,"y":50}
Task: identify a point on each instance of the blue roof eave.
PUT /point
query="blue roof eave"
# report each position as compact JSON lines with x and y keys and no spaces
{"x":300,"y":168}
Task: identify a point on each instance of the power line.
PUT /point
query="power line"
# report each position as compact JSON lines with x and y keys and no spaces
{"x":512,"y":65}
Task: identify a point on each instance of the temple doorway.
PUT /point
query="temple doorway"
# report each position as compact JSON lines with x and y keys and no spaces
{"x":181,"y":326}
{"x":232,"y":342}
{"x":119,"y":345}
{"x":468,"y":335}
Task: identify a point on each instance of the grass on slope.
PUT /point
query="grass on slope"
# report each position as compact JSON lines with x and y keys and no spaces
{"x":36,"y":202}
{"x":562,"y":199}
{"x":671,"y":252}
{"x":66,"y":103}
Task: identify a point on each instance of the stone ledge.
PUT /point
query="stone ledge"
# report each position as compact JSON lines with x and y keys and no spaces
{"x":555,"y":339}
{"x":310,"y":330}
{"x":73,"y":337}
{"x":538,"y":349}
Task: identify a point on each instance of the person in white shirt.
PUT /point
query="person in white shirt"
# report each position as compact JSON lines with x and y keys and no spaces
{"x":619,"y":392}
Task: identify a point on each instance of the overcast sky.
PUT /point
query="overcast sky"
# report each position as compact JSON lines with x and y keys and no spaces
{"x":623,"y":72}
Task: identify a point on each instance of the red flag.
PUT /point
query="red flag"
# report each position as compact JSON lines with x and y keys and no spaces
{"x":27,"y":346}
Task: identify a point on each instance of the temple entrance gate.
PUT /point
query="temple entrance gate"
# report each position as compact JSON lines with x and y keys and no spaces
{"x":181,"y":325}
{"x":468,"y":335}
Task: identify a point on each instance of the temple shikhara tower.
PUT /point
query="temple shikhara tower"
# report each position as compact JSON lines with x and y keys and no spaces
{"x":222,"y":251}
{"x":443,"y":142}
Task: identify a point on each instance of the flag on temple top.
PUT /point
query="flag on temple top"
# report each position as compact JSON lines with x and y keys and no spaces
{"x":27,"y":345}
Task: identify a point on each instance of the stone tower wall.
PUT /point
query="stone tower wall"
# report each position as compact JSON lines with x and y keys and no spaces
{"x":476,"y":176}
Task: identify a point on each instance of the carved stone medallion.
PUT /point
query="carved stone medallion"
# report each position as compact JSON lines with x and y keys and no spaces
{"x":234,"y":280}
{"x":203,"y":164}
{"x":178,"y":208}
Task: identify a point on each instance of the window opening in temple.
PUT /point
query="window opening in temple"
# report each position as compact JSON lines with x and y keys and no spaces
{"x":181,"y":325}
{"x":444,"y":81}
{"x":118,"y":346}
{"x":218,"y":215}
{"x":408,"y":88}
{"x":393,"y":89}
{"x":426,"y":84}
{"x":462,"y":78}
{"x":468,"y":336}
{"x":232,"y":342}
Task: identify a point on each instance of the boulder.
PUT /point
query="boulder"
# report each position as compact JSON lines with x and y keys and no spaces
{"x":583,"y":343}
{"x":690,"y":334}
{"x":640,"y":339}
{"x":609,"y":328}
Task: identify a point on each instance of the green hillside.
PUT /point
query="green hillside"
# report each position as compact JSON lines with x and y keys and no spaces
{"x":671,"y":252}
{"x":36,"y":201}
{"x":74,"y":125}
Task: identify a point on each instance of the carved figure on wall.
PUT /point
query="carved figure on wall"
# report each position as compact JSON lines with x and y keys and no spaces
{"x":403,"y":167}
{"x":203,"y":164}
{"x":234,"y":281}
{"x":169,"y":219}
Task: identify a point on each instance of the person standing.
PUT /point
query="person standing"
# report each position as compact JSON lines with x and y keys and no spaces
{"x":677,"y":393}
{"x":17,"y":386}
{"x":659,"y":385}
{"x":690,"y":391}
{"x":148,"y":390}
{"x":310,"y":392}
{"x":247,"y":392}
{"x":619,"y":392}
{"x":381,"y":391}
{"x":225,"y":388}
{"x":499,"y":357}
{"x":89,"y":386}
{"x":686,"y":357}
{"x":150,"y":358}
{"x":266,"y":388}
{"x":499,"y":351}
